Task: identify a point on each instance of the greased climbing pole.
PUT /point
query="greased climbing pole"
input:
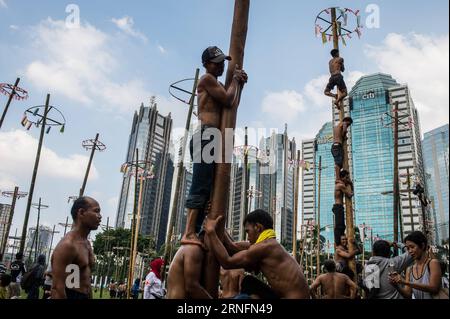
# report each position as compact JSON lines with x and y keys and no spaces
{"x":228,"y":121}
{"x":339,"y":30}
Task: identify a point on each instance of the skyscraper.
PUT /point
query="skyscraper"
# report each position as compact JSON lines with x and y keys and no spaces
{"x":324,"y":180}
{"x":435,"y":150}
{"x":5,"y":211}
{"x":238,"y":192}
{"x":43,"y":241}
{"x":278,"y":187}
{"x":150,"y":134}
{"x":371,"y":153}
{"x":308,"y":182}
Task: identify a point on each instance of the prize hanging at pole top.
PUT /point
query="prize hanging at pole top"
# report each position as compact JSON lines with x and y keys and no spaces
{"x":19,"y":93}
{"x":348,"y":21}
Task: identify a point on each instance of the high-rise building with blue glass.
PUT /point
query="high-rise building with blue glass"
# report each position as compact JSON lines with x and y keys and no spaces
{"x":371,"y":153}
{"x":435,"y":150}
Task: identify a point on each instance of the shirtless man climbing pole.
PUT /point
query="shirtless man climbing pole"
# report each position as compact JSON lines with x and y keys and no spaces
{"x":75,"y":251}
{"x":337,"y":149}
{"x":343,"y":186}
{"x":336,"y":67}
{"x":212,"y":98}
{"x":334,"y":285}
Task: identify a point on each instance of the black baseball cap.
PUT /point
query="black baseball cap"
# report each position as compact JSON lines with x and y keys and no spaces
{"x":215,"y":55}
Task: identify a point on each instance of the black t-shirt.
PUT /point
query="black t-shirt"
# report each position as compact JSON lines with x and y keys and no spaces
{"x":17,"y":268}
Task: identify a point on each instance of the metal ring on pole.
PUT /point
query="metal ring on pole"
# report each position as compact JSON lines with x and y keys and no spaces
{"x":91,"y":143}
{"x":11,"y":194}
{"x":174,"y":86}
{"x":19,"y":93}
{"x":41,"y":206}
{"x":32,"y":116}
{"x":242,"y":150}
{"x":145,"y":169}
{"x":324,"y":25}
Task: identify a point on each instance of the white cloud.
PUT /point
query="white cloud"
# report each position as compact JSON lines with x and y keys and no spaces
{"x":126,"y":24}
{"x":283,"y":106}
{"x":14,"y":27}
{"x":17,"y":155}
{"x":161,"y":49}
{"x":3,"y":4}
{"x":78,"y":64}
{"x":422,"y":62}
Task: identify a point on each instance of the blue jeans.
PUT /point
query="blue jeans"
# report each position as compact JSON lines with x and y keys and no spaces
{"x":202,"y":177}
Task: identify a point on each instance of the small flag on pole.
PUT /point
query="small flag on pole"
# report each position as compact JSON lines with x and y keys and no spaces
{"x":24,"y":120}
{"x":324,"y":38}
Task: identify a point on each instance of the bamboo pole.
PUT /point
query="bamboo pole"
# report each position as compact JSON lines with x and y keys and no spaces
{"x":33,"y":178}
{"x":296,"y":190}
{"x":318,"y":218}
{"x":83,"y":187}
{"x":396,"y":183}
{"x":11,"y":96}
{"x":8,"y":225}
{"x":228,"y":121}
{"x":133,"y":225}
{"x":180,"y":174}
{"x":349,"y":219}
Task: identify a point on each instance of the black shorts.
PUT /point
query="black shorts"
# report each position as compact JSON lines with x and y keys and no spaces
{"x":75,"y":295}
{"x":336,"y":80}
{"x":253,"y":286}
{"x":338,"y":154}
{"x":339,"y":222}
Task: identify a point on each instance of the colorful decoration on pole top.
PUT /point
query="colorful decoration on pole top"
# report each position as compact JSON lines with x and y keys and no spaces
{"x":19,"y":93}
{"x":348,"y":20}
{"x":33,"y":116}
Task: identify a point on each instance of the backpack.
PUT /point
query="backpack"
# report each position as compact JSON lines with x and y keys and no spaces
{"x":27,"y":280}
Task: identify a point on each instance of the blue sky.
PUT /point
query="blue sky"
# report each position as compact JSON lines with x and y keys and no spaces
{"x":125,"y":52}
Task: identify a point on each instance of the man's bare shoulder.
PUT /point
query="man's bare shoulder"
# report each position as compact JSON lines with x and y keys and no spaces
{"x":66,"y":245}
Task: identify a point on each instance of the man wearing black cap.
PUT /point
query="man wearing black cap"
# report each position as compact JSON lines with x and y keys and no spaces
{"x":340,"y":135}
{"x":336,"y":79}
{"x":212,"y":98}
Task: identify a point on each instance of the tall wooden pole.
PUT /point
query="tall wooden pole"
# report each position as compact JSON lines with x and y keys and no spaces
{"x":83,"y":187}
{"x":180,"y":173}
{"x":245,"y":183}
{"x":136,"y":236}
{"x":223,"y":169}
{"x":396,"y":184}
{"x":8,"y":225}
{"x":51,"y":244}
{"x":318,"y":218}
{"x":133,"y":224}
{"x":65,"y":225}
{"x":33,"y":178}
{"x":106,"y":245}
{"x":411,"y":216}
{"x":296,"y":198}
{"x":349,"y":220}
{"x":37,"y":228}
{"x":11,"y":96}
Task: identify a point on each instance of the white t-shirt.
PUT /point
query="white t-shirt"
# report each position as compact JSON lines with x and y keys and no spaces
{"x":152,"y":286}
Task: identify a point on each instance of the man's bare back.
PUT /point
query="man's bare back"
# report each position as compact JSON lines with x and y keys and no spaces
{"x":336,"y":65}
{"x":183,"y":279}
{"x":73,"y":250}
{"x":334,"y":285}
{"x":282,"y":272}
{"x":338,"y":133}
{"x":339,"y":192}
{"x":231,"y":282}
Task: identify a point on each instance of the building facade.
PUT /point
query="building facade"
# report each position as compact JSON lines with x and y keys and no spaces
{"x":436,"y":160}
{"x":371,"y":154}
{"x":277,"y":184}
{"x":150,"y":134}
{"x":5,"y":211}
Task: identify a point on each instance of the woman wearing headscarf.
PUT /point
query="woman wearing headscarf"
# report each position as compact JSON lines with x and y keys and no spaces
{"x":153,"y":286}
